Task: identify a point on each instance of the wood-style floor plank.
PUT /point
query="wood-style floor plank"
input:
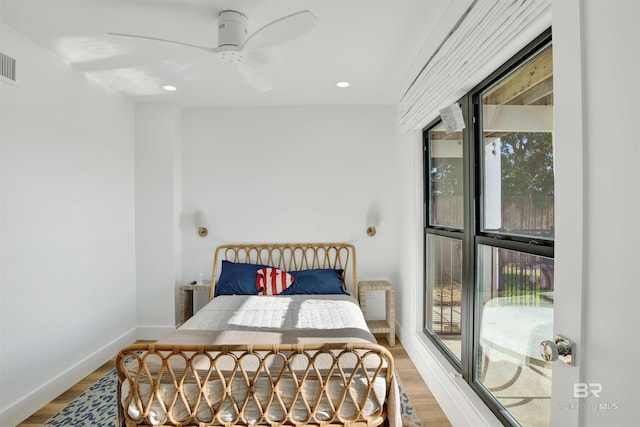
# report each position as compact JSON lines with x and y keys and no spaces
{"x":423,"y":401}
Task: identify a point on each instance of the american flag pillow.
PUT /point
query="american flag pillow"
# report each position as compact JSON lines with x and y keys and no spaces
{"x":271,"y":281}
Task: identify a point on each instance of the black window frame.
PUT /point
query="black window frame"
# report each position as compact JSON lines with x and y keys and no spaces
{"x":472,"y":235}
{"x":449,"y":232}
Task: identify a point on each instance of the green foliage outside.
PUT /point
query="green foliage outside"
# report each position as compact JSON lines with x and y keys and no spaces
{"x":527,"y":169}
{"x":527,"y":166}
{"x":446,"y":177}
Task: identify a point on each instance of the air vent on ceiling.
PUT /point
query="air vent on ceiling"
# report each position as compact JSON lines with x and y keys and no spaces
{"x":7,"y":69}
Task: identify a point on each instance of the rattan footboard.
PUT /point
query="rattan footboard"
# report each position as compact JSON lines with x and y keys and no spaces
{"x":292,"y":384}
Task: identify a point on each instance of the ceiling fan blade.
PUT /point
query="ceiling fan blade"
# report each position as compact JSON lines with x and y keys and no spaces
{"x":255,"y":78}
{"x":208,"y":49}
{"x":281,"y":30}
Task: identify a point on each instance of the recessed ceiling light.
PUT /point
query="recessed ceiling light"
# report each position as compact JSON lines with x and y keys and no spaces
{"x":169,"y":88}
{"x":342,"y":84}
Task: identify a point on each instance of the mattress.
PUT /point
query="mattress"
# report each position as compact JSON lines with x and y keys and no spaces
{"x":291,"y":319}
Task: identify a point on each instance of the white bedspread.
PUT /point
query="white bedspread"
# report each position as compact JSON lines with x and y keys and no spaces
{"x":238,"y":319}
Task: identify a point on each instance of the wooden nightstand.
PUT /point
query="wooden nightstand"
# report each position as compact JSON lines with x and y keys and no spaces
{"x":186,"y":299}
{"x":388,"y":325}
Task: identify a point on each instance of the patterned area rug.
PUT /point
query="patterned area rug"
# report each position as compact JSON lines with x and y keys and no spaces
{"x":96,"y":407}
{"x":409,"y":414}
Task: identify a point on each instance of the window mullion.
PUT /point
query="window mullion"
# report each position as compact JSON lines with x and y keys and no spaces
{"x":470,"y":226}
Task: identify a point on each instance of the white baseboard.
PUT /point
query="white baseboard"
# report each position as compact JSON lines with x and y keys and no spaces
{"x":28,"y":404}
{"x":456,"y":398}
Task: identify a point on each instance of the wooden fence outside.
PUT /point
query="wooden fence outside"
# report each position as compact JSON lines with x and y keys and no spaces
{"x":520,"y":278}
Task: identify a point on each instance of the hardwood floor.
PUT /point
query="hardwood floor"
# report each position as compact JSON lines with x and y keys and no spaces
{"x":423,"y":401}
{"x":65,"y":398}
{"x":428,"y":409}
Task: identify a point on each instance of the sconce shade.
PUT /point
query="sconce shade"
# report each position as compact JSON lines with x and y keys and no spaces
{"x":201,"y":219}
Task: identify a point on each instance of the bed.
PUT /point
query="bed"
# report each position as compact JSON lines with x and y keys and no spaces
{"x":282,"y":341}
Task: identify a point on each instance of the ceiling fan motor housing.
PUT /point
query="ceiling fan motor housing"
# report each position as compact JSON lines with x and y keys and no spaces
{"x":232,"y":33}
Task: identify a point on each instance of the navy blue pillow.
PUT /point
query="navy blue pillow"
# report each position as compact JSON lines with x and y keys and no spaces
{"x":316,"y":281}
{"x":237,"y":278}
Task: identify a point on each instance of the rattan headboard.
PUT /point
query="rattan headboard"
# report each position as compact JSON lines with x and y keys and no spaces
{"x":291,"y":257}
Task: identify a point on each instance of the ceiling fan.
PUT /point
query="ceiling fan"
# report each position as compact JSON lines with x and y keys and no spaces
{"x":234,"y":44}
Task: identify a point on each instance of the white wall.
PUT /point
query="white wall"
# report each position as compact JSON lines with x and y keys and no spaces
{"x":68,"y":278}
{"x":157,"y":189}
{"x":261,"y":174}
{"x":610,"y":315}
{"x":290,"y":174}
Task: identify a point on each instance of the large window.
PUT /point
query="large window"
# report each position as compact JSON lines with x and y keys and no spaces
{"x":489,"y":237}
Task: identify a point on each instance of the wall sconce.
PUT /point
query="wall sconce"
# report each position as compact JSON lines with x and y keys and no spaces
{"x":373,"y":220}
{"x":201,"y":223}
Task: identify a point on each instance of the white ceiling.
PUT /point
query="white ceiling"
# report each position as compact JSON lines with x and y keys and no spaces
{"x":370,"y":43}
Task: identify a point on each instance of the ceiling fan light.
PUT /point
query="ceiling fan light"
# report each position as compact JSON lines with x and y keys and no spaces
{"x":343,"y":84}
{"x":169,"y":88}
